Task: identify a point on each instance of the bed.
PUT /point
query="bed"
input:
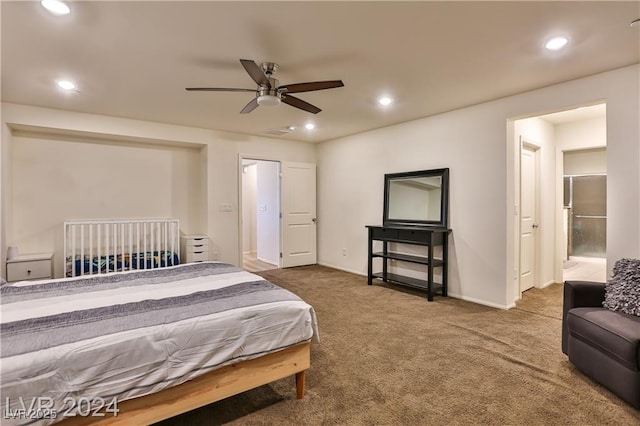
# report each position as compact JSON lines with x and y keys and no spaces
{"x":156,"y":342}
{"x":115,"y":245}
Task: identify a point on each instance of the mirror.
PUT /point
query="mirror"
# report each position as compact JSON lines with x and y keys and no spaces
{"x":416,"y":198}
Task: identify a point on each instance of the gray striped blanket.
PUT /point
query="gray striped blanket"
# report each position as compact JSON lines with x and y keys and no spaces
{"x":129,"y":334}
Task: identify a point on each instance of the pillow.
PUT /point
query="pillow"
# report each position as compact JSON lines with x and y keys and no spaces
{"x":622,"y":291}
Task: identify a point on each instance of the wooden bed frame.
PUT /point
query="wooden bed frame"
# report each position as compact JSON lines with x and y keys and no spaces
{"x":211,"y":387}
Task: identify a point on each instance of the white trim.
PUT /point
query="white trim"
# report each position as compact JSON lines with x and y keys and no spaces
{"x":548,"y":283}
{"x":241,"y":158}
{"x":526,"y":142}
{"x":450,"y":294}
{"x":481,"y":302}
{"x":341,"y":268}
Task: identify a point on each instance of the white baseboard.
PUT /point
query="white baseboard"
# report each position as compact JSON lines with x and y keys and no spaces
{"x":548,"y":283}
{"x":457,"y":296}
{"x":340,"y":268}
{"x":270,"y":262}
{"x":482,"y":302}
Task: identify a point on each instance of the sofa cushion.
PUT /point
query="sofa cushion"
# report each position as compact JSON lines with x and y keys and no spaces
{"x":614,"y":333}
{"x":622,"y":291}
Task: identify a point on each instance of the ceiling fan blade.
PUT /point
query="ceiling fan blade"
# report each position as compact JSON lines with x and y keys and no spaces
{"x":218,"y":89}
{"x":299,"y":103}
{"x":253,"y":104}
{"x":255,"y":72}
{"x":311,"y":86}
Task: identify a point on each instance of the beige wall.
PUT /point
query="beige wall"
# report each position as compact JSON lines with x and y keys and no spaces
{"x":589,"y":161}
{"x":201,"y":167}
{"x":249,"y":243}
{"x":541,"y":134}
{"x":53,"y":180}
{"x":552,"y":139}
{"x":582,"y":134}
{"x":477,"y":144}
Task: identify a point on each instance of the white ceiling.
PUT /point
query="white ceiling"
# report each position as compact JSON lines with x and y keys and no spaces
{"x":134,"y":59}
{"x":576,"y":114}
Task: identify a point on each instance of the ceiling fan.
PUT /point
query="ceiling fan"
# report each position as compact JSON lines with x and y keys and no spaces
{"x":269,"y":92}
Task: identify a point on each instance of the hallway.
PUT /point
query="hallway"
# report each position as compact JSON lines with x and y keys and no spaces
{"x":252,"y":264}
{"x":585,"y":269}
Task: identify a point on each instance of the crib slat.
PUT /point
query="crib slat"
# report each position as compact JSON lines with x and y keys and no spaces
{"x":90,"y":249}
{"x":73,"y":250}
{"x":145,"y":234}
{"x":122,"y":247}
{"x":138,"y":244}
{"x":164,"y":239}
{"x":82,"y":255}
{"x":130,"y":230}
{"x":99,"y":248}
{"x":153,"y":229}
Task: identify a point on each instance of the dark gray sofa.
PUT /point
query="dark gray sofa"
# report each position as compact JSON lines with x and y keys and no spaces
{"x":603,"y":344}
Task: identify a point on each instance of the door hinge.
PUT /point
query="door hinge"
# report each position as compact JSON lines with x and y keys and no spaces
{"x":280,"y":215}
{"x":280,"y":255}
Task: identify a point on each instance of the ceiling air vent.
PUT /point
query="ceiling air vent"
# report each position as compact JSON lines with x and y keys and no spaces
{"x":280,"y":132}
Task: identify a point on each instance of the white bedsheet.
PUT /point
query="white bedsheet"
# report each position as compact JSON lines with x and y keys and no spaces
{"x":145,"y":358}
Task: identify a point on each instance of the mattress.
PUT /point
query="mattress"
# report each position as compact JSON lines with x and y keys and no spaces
{"x":73,"y":342}
{"x":85,"y":265}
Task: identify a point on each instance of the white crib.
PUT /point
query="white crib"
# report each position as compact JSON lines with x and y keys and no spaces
{"x":102,"y":246}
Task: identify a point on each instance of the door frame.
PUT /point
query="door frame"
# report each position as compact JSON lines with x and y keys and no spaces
{"x":242,"y":157}
{"x":513,"y":197}
{"x":526,"y":143}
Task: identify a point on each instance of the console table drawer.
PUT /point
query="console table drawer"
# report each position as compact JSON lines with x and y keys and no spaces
{"x":384,"y":234}
{"x":413,"y":236}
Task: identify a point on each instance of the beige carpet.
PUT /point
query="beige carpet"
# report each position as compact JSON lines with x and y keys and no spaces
{"x":389,"y":357}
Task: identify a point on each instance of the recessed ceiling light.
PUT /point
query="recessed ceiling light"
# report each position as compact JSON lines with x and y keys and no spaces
{"x":556,"y":43}
{"x":309,"y":126}
{"x":384,"y":101}
{"x":56,"y":7}
{"x":66,"y":85}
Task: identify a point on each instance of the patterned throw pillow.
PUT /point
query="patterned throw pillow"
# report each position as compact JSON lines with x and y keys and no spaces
{"x":622,"y":291}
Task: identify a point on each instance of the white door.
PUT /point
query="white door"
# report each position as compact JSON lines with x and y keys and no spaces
{"x":298,"y":214}
{"x":528,"y":224}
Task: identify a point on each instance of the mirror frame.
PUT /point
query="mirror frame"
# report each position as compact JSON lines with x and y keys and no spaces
{"x":442,"y":222}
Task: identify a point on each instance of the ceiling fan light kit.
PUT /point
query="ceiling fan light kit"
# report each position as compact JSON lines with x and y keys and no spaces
{"x":269,"y":92}
{"x":268,"y":100}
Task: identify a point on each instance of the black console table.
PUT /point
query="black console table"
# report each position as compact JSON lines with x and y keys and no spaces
{"x":418,"y":235}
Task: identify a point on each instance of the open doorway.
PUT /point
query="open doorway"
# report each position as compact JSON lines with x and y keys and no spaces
{"x":260,"y":215}
{"x":579,"y":133}
{"x":585,"y":214}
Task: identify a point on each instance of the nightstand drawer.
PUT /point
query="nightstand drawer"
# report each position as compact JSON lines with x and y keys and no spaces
{"x":194,"y":248}
{"x":197,"y":246}
{"x":29,"y":270}
{"x":197,"y":256}
{"x":196,"y":241}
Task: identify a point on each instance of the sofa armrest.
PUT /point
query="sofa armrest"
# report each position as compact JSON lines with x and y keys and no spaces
{"x":578,"y":294}
{"x":582,"y":294}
